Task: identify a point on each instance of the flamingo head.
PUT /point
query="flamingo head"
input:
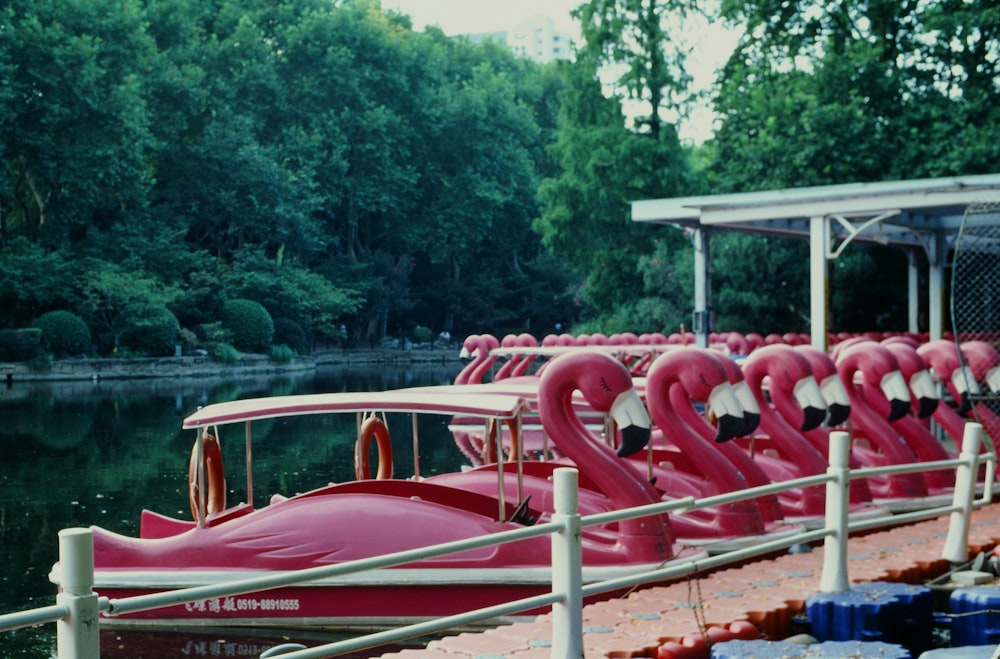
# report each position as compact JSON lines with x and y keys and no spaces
{"x":879,"y":370}
{"x":984,"y":361}
{"x":918,"y":377}
{"x":704,"y":380}
{"x":790,"y":372}
{"x":946,"y":366}
{"x":838,"y":402}
{"x":606,"y":385}
{"x":744,"y":394}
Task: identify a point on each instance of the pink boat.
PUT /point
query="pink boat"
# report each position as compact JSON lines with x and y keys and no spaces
{"x":364,"y":518}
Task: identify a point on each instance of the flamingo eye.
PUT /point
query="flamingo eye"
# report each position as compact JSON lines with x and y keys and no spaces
{"x":604,"y":385}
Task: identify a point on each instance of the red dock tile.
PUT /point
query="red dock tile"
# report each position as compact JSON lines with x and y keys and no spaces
{"x":768,"y":593}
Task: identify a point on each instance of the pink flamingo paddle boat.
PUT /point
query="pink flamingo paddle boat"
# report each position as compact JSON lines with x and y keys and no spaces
{"x":779,"y":375}
{"x":368,"y":517}
{"x":925,"y":402}
{"x":875,"y":441}
{"x":984,"y":362}
{"x":691,"y":464}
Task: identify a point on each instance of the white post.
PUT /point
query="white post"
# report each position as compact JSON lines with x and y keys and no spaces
{"x":838,"y":493}
{"x":956,"y":545}
{"x":77,"y":634}
{"x":701,"y":321}
{"x":567,"y":568}
{"x":936,"y":256}
{"x":819,"y":248}
{"x":912,"y":291}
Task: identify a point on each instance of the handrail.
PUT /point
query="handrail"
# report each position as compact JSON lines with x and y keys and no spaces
{"x":77,"y":609}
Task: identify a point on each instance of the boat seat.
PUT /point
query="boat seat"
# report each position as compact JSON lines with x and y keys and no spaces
{"x":440,"y":494}
{"x":155,"y":525}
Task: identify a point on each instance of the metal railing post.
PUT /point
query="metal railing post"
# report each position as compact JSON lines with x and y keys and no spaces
{"x":77,"y":634}
{"x":956,"y":545}
{"x":567,"y":568}
{"x":838,"y":492}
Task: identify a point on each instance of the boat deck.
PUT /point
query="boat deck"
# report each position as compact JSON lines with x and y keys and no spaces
{"x":769,"y":593}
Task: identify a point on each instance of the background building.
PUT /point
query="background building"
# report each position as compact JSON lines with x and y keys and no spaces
{"x":536,"y":38}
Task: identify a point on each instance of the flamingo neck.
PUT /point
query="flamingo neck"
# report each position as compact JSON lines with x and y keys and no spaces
{"x":678,"y":420}
{"x":775,"y":422}
{"x":609,"y":472}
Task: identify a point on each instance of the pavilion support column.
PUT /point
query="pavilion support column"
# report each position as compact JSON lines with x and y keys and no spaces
{"x":913,"y":291}
{"x":701,"y":319}
{"x":936,"y":254}
{"x":819,"y":287}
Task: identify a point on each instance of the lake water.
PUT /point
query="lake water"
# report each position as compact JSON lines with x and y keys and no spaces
{"x":81,"y":453}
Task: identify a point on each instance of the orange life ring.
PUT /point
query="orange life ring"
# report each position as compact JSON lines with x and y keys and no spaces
{"x":211,"y":456}
{"x":492,"y":435}
{"x":373,"y":427}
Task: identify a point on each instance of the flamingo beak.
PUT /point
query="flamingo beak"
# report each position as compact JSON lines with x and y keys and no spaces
{"x":965,"y":383}
{"x":725,"y":406}
{"x":810,"y":399}
{"x":838,"y":413}
{"x":730,"y":427}
{"x":751,"y":410}
{"x":750,"y":422}
{"x":632,"y":419}
{"x":894,"y":387}
{"x":965,"y":406}
{"x":838,"y":402}
{"x":926,"y":407}
{"x":923,"y":387}
{"x":898,"y":409}
{"x":813,"y":417}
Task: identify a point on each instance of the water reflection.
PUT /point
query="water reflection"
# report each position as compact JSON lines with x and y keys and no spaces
{"x":81,"y":453}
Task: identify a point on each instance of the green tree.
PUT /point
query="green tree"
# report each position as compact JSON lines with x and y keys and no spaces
{"x":586,"y":216}
{"x":857,"y":91}
{"x":76,"y":130}
{"x":290,"y":291}
{"x":641,"y":39}
{"x":111,"y":289}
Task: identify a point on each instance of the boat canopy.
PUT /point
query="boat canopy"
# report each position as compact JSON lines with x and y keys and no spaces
{"x":416,"y":400}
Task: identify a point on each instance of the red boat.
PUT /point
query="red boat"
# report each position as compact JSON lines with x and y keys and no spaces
{"x":369,"y":517}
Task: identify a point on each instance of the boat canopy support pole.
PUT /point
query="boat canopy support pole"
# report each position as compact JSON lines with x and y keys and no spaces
{"x":567,"y":567}
{"x":415,"y":431}
{"x":249,"y":456}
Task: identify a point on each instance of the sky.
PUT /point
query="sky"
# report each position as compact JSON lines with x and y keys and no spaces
{"x":710,"y":44}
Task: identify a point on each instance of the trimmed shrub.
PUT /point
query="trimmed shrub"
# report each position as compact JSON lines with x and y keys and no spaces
{"x":63,"y":333}
{"x":148,"y":329}
{"x":20,"y":345}
{"x":422,"y":334}
{"x":225,"y":353}
{"x":290,"y":333}
{"x":250,"y":325}
{"x":281,"y":354}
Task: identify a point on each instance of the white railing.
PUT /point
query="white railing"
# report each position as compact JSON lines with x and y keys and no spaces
{"x":77,"y":608}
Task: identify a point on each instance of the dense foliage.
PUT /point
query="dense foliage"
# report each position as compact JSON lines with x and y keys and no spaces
{"x":63,"y":333}
{"x":358,"y":179}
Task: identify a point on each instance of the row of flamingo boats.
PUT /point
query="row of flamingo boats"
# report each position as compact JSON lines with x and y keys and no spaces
{"x":642,"y":419}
